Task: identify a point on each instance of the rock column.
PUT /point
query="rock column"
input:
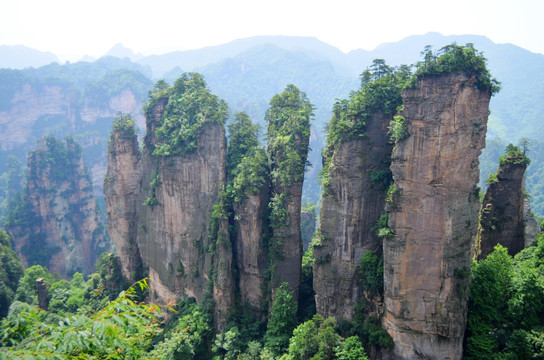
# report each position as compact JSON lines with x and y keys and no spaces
{"x":434,"y":217}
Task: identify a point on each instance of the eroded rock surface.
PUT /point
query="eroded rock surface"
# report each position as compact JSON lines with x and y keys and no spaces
{"x":59,"y":224}
{"x":351,"y":208}
{"x":502,"y":213}
{"x":434,"y":217}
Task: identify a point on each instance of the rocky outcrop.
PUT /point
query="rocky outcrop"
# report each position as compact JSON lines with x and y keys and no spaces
{"x":351,"y":207}
{"x":434,"y":216}
{"x":121,"y":189}
{"x":288,"y":144}
{"x":531,"y":228}
{"x":58,"y":224}
{"x":173,"y":233}
{"x":502,"y":212}
{"x":168,"y":216}
{"x":251,"y":251}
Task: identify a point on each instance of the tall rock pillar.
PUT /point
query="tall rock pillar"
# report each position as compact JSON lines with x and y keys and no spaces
{"x":434,"y":216}
{"x":121,"y":188}
{"x":502,"y":218}
{"x":351,"y":207}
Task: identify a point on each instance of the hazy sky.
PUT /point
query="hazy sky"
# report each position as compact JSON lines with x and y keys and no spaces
{"x":72,"y":28}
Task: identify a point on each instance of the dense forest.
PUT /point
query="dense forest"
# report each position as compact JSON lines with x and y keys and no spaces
{"x":106,"y":313}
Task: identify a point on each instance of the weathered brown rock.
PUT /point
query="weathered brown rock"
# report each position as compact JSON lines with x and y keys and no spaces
{"x":121,"y":188}
{"x":161,"y":209}
{"x":174,"y":234}
{"x":352,"y":205}
{"x":251,"y":255}
{"x":502,"y":215}
{"x":43,"y":290}
{"x":531,"y":226}
{"x":61,"y":225}
{"x":434,"y":217}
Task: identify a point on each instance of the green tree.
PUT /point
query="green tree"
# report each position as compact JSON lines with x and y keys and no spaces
{"x":282,"y":320}
{"x":490,"y":290}
{"x":190,"y":106}
{"x":288,"y":117}
{"x":26,"y":291}
{"x":121,"y":330}
{"x":454,"y":58}
{"x":351,"y":349}
{"x":243,"y":140}
{"x":11,"y":270}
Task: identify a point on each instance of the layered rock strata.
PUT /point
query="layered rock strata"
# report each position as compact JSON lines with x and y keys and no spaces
{"x":434,"y":217}
{"x":351,"y":207}
{"x":502,"y":214}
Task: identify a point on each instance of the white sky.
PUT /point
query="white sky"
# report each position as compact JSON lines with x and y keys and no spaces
{"x":73,"y":28}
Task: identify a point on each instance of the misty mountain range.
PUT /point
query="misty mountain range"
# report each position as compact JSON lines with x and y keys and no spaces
{"x":248,"y":72}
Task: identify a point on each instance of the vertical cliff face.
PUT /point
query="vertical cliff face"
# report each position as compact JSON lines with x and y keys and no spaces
{"x":434,"y":216}
{"x":167,"y":200}
{"x":58,"y":224}
{"x":351,"y":207}
{"x":502,"y":213}
{"x":121,"y":188}
{"x":174,"y":236}
{"x":251,"y":251}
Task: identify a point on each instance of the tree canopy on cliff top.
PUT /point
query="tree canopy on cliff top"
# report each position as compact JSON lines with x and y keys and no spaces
{"x":455,"y":58}
{"x":190,"y":106}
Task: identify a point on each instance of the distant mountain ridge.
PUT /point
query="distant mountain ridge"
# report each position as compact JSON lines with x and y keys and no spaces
{"x":20,"y":57}
{"x":247,"y":72}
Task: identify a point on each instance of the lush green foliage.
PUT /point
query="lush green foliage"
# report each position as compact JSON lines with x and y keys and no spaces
{"x":247,"y":163}
{"x":398,"y":130}
{"x":186,"y":336}
{"x":371,"y":272}
{"x":124,"y":125}
{"x":282,"y":320}
{"x":190,"y":106}
{"x":288,"y":118}
{"x":506,"y":305}
{"x":314,"y":339}
{"x":513,"y":155}
{"x":123,"y":329}
{"x":352,"y":349}
{"x":11,"y":270}
{"x":251,"y":174}
{"x":380,"y":93}
{"x":456,"y":59}
{"x":243,"y":140}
